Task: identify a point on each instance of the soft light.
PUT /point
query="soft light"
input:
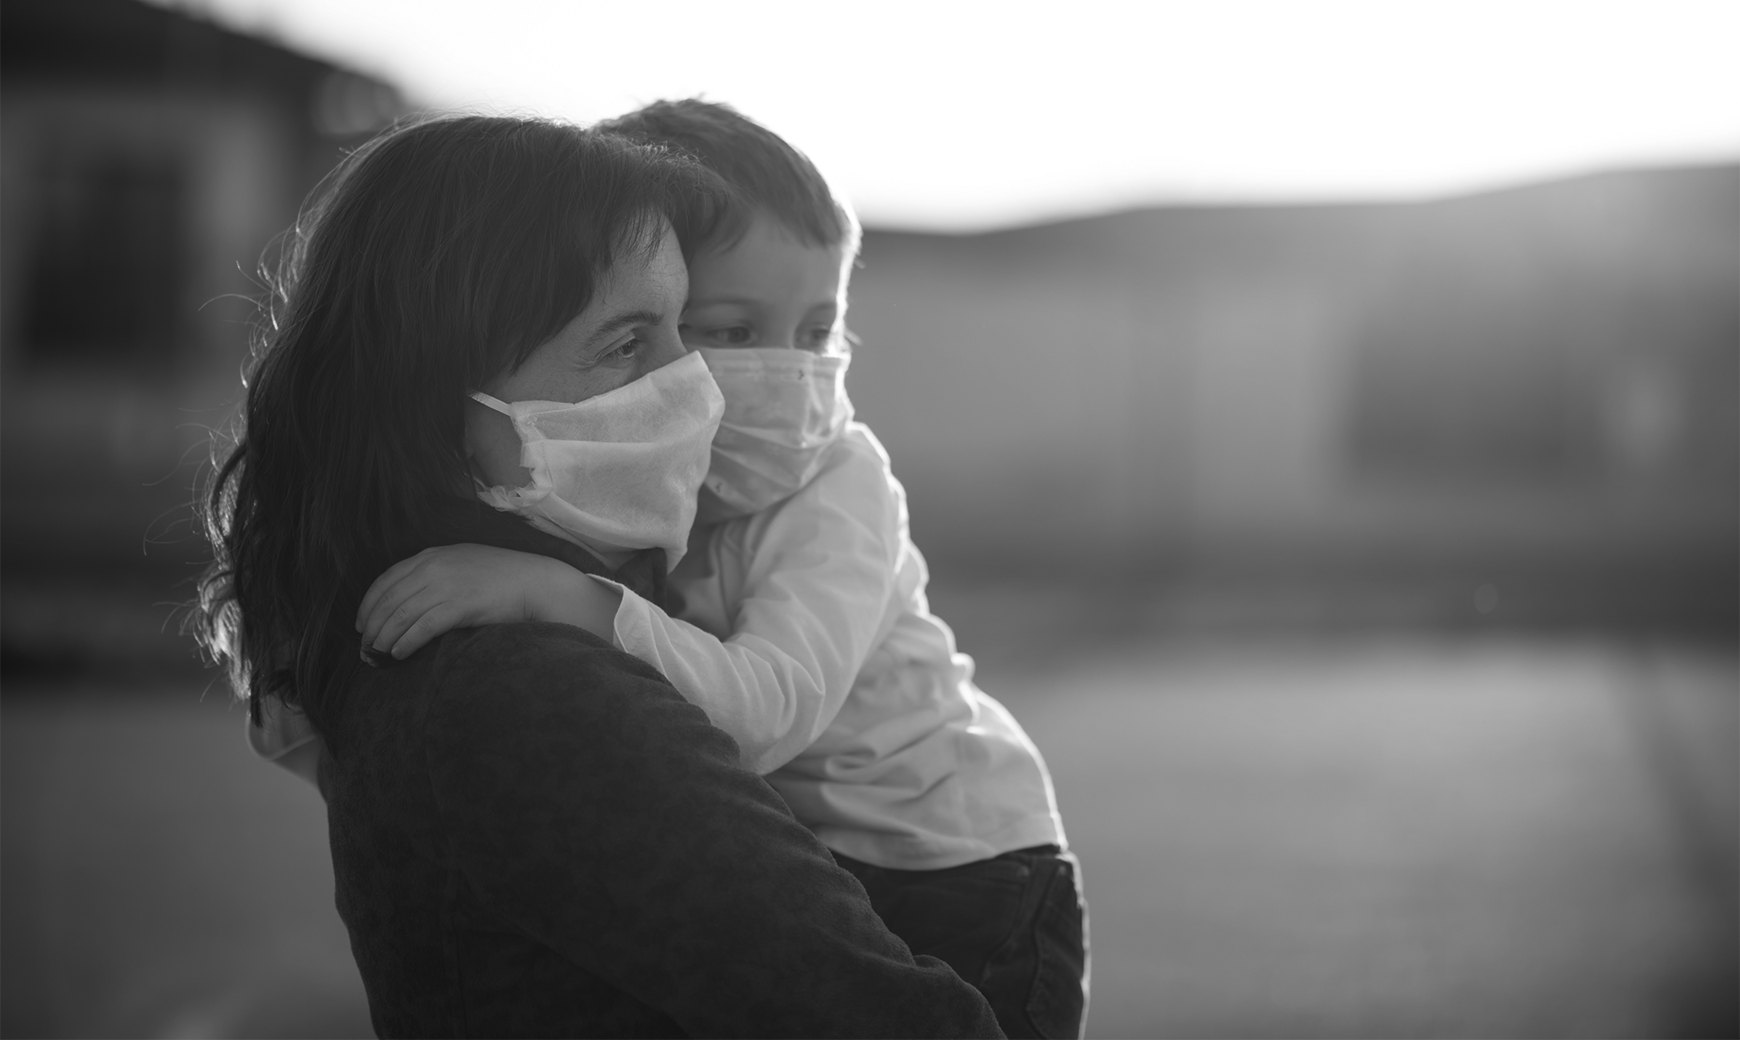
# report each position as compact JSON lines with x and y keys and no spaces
{"x":972,"y":115}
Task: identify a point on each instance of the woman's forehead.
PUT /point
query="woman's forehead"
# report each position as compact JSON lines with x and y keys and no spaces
{"x":641,"y":280}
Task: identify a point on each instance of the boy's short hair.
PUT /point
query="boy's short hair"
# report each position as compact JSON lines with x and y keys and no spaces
{"x":762,"y":171}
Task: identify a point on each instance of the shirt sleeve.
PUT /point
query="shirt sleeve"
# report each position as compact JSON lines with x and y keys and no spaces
{"x":818,"y":595}
{"x":590,"y":807}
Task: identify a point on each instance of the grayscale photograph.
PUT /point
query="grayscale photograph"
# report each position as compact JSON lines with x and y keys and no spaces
{"x":903,"y":519}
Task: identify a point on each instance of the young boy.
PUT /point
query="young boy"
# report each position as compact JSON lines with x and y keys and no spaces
{"x":806,"y":632}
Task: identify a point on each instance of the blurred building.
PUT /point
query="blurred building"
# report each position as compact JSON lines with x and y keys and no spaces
{"x":149,"y":158}
{"x":1540,"y":380}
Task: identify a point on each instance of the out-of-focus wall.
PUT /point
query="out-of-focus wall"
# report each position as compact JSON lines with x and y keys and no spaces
{"x":148,"y":160}
{"x":1545,"y":376}
{"x":104,"y":396}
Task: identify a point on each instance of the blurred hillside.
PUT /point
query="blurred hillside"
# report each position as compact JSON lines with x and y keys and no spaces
{"x":1540,"y":382}
{"x":1516,"y":407}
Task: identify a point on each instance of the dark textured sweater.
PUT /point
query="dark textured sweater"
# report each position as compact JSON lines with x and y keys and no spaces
{"x":533,"y":834}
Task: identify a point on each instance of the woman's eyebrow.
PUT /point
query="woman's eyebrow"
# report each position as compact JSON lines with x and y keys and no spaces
{"x":709,"y":301}
{"x":628,"y":320}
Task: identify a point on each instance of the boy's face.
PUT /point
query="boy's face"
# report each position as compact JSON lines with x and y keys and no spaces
{"x":768,"y":290}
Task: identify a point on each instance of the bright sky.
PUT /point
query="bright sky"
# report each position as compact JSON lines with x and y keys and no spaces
{"x":958,"y":115}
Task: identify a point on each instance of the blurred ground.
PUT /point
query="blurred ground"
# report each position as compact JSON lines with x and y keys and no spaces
{"x":1401,"y":836}
{"x":1286,"y":831}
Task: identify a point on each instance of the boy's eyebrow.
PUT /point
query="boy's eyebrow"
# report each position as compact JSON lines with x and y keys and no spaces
{"x":746,"y":301}
{"x":707,"y":301}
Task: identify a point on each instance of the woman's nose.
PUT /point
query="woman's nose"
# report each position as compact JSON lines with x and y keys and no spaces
{"x":665,"y":346}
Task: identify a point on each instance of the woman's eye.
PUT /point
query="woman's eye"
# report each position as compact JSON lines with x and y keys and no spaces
{"x":627,"y":351}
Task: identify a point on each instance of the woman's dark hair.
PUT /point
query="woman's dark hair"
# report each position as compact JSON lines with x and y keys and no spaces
{"x":437,"y":256}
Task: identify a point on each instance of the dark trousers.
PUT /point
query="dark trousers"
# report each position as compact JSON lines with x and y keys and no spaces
{"x":1014,"y":926}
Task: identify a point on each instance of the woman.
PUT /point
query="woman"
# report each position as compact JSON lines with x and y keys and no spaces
{"x":532,"y":833}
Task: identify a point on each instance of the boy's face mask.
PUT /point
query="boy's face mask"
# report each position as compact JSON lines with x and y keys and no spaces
{"x":783,"y":409}
{"x":617,"y":472}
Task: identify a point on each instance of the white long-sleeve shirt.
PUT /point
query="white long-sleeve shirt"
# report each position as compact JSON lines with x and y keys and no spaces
{"x":806,"y":635}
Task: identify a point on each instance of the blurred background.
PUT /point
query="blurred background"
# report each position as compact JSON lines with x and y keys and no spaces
{"x":1323,"y":423}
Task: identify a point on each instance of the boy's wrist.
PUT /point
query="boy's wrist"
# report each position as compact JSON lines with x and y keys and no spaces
{"x":555,"y":597}
{"x":574,"y":598}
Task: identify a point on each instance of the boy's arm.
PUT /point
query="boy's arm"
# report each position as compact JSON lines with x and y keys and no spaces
{"x":818,"y":596}
{"x":774,"y":686}
{"x":465,"y":585}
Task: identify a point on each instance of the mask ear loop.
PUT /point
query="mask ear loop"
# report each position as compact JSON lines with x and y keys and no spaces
{"x":492,"y":403}
{"x":495,"y":404}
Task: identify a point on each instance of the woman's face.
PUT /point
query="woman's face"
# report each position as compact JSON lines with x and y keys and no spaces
{"x":628,"y":330}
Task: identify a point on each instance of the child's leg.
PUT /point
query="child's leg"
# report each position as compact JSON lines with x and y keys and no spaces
{"x":1015,"y":926}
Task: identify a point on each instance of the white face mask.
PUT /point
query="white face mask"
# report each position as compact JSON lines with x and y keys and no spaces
{"x":783,"y":409}
{"x":617,"y":472}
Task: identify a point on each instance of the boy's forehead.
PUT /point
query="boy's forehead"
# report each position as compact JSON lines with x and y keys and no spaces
{"x":768,"y":257}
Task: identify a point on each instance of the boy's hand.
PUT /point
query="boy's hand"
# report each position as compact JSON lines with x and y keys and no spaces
{"x":462,"y":586}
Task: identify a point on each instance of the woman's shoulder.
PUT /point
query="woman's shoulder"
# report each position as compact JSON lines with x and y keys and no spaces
{"x":513,"y":688}
{"x":529,"y":724}
{"x":508,"y":715}
{"x":525,"y":663}
{"x":520,"y":646}
{"x":496,"y":682}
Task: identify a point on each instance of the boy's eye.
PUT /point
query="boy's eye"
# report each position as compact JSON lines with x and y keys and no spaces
{"x":819,"y":338}
{"x":732,"y":335}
